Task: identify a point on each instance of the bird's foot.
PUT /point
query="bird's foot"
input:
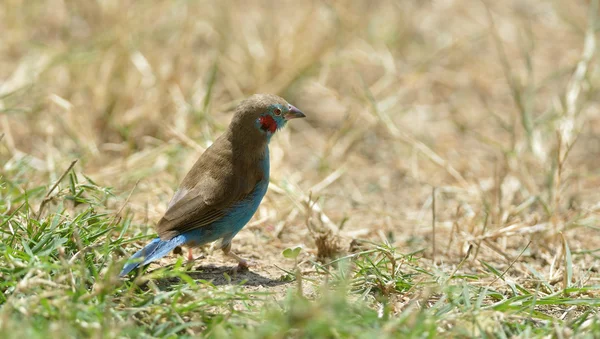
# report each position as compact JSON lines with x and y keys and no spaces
{"x":246,"y":264}
{"x":243,"y":264}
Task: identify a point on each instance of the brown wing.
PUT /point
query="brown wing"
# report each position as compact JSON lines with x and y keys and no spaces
{"x":211,"y":187}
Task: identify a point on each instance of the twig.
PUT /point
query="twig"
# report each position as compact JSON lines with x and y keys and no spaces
{"x":461,"y":263}
{"x":568,"y":273}
{"x":567,"y":133}
{"x":511,"y":265}
{"x":513,"y":84}
{"x":47,"y":197}
{"x":300,"y":199}
{"x":125,"y":203}
{"x":433,"y":222}
{"x":485,"y":225}
{"x":185,"y":140}
{"x":330,"y":179}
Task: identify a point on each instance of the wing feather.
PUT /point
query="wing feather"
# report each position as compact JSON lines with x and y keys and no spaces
{"x":210,"y":188}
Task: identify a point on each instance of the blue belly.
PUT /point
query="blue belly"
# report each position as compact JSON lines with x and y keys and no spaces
{"x":237,"y":216}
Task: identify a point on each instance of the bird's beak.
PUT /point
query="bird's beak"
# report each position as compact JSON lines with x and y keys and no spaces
{"x":294,"y":113}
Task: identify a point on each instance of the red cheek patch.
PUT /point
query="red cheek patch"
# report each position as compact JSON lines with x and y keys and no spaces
{"x":267,"y":123}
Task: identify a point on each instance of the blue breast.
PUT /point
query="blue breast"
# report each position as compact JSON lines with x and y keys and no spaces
{"x":243,"y":211}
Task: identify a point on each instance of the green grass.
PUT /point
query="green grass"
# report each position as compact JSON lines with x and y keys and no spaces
{"x":59,"y":279}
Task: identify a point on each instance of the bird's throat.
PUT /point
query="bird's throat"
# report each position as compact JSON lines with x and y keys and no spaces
{"x":267,"y":123}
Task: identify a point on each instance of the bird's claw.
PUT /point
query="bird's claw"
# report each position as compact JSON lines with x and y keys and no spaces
{"x":244,"y":265}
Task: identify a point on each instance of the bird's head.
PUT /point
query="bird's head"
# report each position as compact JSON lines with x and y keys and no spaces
{"x":275,"y":117}
{"x":266,"y":113}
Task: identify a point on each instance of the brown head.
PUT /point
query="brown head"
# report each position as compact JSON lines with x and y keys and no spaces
{"x":257,"y":118}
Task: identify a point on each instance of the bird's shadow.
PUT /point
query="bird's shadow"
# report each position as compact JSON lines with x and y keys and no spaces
{"x":223,"y":275}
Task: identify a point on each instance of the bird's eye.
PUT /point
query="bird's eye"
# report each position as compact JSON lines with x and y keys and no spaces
{"x":277,"y":111}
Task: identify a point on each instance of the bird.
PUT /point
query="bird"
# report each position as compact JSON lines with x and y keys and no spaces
{"x":224,"y":188}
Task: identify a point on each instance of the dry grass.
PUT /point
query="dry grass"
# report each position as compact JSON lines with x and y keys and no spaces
{"x":492,"y":103}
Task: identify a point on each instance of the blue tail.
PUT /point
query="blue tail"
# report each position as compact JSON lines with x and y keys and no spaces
{"x":156,"y":249}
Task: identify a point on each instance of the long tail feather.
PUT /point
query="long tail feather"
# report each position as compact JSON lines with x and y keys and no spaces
{"x":155,"y":250}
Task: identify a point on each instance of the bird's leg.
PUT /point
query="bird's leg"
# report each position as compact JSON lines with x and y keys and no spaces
{"x":242,"y":263}
{"x":179,"y":251}
{"x":190,"y":255}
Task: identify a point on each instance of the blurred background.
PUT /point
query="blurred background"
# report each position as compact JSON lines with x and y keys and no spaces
{"x":493,"y":104}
